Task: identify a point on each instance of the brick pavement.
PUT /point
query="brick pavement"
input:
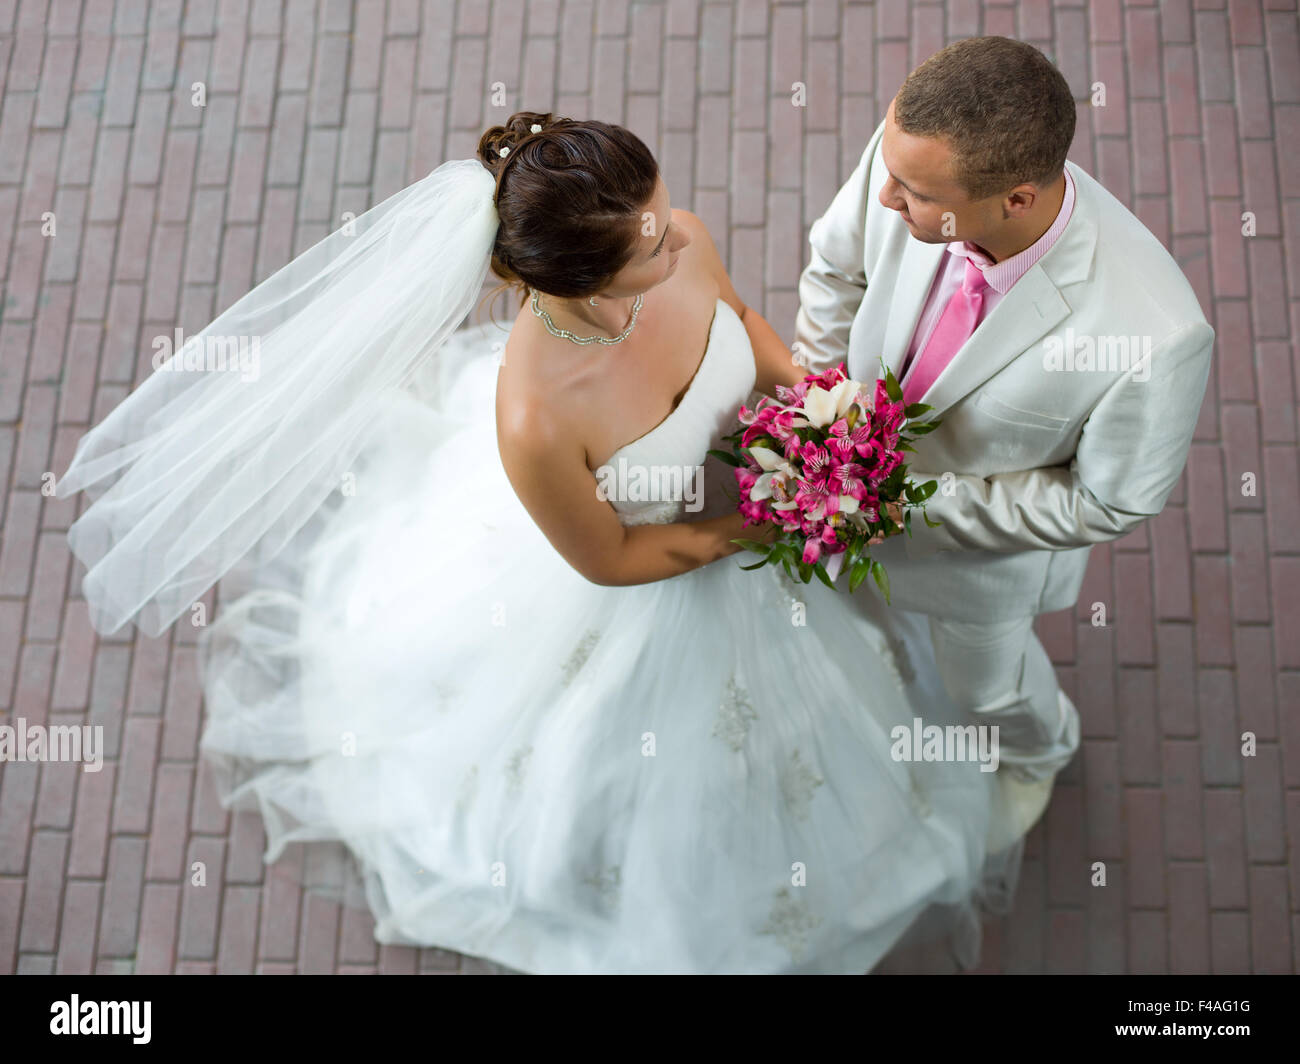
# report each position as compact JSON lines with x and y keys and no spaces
{"x":166,"y":212}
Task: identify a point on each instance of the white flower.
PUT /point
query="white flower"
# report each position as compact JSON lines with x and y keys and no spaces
{"x":825,"y":407}
{"x":773,"y":466}
{"x":534,"y":128}
{"x":504,"y":152}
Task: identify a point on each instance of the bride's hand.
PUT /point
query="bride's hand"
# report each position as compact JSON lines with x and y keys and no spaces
{"x":765,"y":532}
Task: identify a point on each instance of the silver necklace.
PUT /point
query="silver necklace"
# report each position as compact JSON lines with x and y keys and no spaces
{"x":564,"y":334}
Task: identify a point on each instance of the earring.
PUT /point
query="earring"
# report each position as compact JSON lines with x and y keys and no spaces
{"x":592,"y":300}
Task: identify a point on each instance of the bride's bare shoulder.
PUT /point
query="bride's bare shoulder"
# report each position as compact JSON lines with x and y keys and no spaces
{"x":531,"y":408}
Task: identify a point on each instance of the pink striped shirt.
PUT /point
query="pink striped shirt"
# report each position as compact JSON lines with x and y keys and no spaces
{"x":999,"y":275}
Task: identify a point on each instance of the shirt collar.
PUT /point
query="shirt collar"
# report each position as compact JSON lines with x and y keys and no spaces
{"x":1002,"y":275}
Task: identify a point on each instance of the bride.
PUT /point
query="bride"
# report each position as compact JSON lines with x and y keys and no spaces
{"x":497,"y":650}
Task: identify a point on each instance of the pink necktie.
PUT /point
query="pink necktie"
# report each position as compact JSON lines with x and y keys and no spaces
{"x":953,"y":329}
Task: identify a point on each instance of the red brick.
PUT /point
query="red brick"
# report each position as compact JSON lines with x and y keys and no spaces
{"x":11,"y":902}
{"x":1285,"y":572}
{"x":237,"y":951}
{"x":1255,"y":674}
{"x":120,"y":919}
{"x":1189,"y":919}
{"x":89,"y":849}
{"x":1225,"y":849}
{"x":135,"y":781}
{"x":1175,"y":680}
{"x":1148,"y":942}
{"x":17,"y":800}
{"x":320,"y":921}
{"x":1270,"y":944}
{"x":281,"y":898}
{"x":1249,"y":569}
{"x":201,"y":889}
{"x":156,"y":951}
{"x":1282,"y":499}
{"x":1268,"y":296}
{"x":76,"y":954}
{"x":1220,"y":734}
{"x":1283,"y":56}
{"x":1180,"y":93}
{"x":1211,"y":604}
{"x":1262,"y":791}
{"x":44,"y":896}
{"x":1277,"y":409}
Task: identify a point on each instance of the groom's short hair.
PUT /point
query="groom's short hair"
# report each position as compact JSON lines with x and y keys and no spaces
{"x":1003,"y":107}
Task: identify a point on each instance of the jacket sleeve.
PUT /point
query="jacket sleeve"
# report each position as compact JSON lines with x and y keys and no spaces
{"x":833,"y":284}
{"x":1130,"y":455}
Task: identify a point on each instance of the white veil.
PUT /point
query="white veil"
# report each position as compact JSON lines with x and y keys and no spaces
{"x":202,"y":465}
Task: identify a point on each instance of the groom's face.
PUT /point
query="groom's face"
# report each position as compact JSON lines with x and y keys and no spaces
{"x":922,"y":189}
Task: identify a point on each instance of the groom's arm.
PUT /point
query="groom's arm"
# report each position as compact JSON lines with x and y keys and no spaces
{"x":1130,"y":455}
{"x":833,"y":284}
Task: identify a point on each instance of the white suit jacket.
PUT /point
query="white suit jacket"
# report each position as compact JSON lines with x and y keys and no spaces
{"x":1039,"y":456}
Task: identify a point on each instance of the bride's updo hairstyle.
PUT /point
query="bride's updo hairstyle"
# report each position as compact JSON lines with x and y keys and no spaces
{"x":569,"y":195}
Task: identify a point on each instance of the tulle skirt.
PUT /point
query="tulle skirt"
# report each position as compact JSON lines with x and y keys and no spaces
{"x":693,"y":776}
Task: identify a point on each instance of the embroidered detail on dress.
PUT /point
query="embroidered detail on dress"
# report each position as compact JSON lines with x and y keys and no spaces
{"x":606,"y":883}
{"x":798,"y":782}
{"x":517,"y":767}
{"x":735,"y":715}
{"x":790,"y":921}
{"x":788,"y":591}
{"x":661,"y":513}
{"x":580,"y":654}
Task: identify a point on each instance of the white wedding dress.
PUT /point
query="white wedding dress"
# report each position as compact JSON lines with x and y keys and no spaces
{"x":567,"y":778}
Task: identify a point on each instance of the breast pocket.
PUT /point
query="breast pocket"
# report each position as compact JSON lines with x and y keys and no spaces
{"x":995,"y":407}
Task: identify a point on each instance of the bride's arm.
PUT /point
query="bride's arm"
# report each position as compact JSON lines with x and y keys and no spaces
{"x":547,"y":467}
{"x":773,"y":361}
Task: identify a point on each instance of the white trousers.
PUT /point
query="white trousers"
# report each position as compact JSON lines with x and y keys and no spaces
{"x":999,"y":673}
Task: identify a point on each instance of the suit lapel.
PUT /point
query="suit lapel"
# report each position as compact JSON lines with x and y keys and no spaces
{"x":915,"y":276}
{"x":1029,"y":310}
{"x":1032,"y":308}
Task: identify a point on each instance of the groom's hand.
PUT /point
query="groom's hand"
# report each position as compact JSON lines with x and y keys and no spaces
{"x":895,"y":512}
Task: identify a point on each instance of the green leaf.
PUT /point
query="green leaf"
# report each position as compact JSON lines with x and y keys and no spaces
{"x":891,"y":386}
{"x":929,"y":523}
{"x":749,"y":544}
{"x":924,"y":491}
{"x":881,"y":578}
{"x":725,"y":456}
{"x":859,"y":573}
{"x":916,"y":410}
{"x":905,"y":446}
{"x":907,"y":521}
{"x":805,"y":571}
{"x":823,"y":575}
{"x":922,"y":430}
{"x":757,"y":565}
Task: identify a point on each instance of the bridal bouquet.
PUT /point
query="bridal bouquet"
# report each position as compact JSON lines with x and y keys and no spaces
{"x":824,"y":461}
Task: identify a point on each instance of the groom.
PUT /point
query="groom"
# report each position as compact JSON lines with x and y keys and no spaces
{"x":1055,"y":338}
